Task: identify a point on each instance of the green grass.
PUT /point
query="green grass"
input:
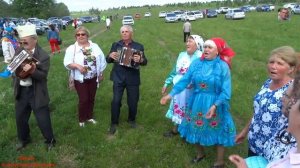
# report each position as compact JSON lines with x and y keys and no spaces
{"x":252,"y":39}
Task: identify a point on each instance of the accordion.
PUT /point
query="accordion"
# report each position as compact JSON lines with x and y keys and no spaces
{"x":125,"y":57}
{"x":19,"y":61}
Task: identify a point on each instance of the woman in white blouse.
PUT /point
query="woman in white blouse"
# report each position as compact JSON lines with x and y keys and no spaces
{"x":86,"y":61}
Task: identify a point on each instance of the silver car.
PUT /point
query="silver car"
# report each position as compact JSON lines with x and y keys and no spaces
{"x":235,"y":14}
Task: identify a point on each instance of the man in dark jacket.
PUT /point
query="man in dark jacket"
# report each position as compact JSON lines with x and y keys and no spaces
{"x":31,"y":91}
{"x":125,"y":75}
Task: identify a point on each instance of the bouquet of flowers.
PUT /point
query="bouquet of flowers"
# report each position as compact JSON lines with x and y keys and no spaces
{"x":87,"y":52}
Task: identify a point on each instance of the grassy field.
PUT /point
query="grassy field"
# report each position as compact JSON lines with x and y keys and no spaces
{"x":252,"y":39}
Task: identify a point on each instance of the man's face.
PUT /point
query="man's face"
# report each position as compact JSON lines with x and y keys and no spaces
{"x":284,"y":14}
{"x":126,"y":34}
{"x":28,"y":42}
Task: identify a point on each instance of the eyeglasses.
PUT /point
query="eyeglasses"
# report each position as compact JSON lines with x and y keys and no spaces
{"x":285,"y":137}
{"x":80,"y":34}
{"x":23,"y":43}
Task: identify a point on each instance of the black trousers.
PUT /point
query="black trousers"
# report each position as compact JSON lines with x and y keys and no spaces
{"x":186,"y":35}
{"x":132,"y":101}
{"x":24,"y":105}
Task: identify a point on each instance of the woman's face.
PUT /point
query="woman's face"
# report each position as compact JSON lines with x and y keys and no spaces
{"x":191,"y":46}
{"x":278,"y":69}
{"x":81,"y":37}
{"x":210,"y":52}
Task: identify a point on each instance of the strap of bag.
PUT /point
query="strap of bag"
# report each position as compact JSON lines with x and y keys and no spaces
{"x":73,"y":61}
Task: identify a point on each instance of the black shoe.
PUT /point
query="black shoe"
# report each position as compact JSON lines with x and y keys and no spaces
{"x":112,"y":130}
{"x":197,"y":159}
{"x":170,"y":134}
{"x":50,"y":146}
{"x":22,"y":145}
{"x":132,"y":124}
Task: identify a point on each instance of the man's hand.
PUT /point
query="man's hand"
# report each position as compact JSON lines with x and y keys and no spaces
{"x":137,"y":58}
{"x":114,"y":55}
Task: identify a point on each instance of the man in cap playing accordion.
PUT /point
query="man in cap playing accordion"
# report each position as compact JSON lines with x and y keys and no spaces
{"x":30,"y":90}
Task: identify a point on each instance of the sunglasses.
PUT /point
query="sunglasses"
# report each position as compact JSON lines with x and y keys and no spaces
{"x":80,"y":34}
{"x":23,"y":43}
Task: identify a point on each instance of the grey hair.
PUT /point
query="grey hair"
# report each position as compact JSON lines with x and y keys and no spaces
{"x":129,"y":28}
{"x":82,"y":28}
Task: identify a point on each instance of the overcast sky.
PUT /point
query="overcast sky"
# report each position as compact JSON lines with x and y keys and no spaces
{"x":78,"y":5}
{"x":84,"y":5}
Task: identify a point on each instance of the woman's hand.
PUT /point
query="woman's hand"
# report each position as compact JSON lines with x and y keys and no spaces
{"x":165,"y":99}
{"x":211,"y":112}
{"x":163,"y":90}
{"x":240,"y":137}
{"x":82,"y":69}
{"x":100,"y":78}
{"x":238,"y":161}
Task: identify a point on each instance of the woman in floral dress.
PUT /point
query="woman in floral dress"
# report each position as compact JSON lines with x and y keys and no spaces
{"x":178,"y":105}
{"x":208,"y":121}
{"x":268,"y":121}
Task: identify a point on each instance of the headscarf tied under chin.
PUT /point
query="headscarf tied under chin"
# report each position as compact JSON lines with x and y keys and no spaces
{"x":199,"y":42}
{"x":225,"y":52}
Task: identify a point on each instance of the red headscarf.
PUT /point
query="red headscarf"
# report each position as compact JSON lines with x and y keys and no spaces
{"x":225,"y":52}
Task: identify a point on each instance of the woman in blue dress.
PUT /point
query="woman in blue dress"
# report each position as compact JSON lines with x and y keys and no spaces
{"x":208,"y":121}
{"x":178,"y":105}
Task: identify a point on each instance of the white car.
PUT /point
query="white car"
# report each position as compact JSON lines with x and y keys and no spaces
{"x":127,"y":20}
{"x":162,"y":14}
{"x":272,"y":7}
{"x":235,"y":14}
{"x":147,"y":14}
{"x":198,"y":14}
{"x":289,"y":5}
{"x":188,"y":16}
{"x":223,"y":10}
{"x":296,"y":9}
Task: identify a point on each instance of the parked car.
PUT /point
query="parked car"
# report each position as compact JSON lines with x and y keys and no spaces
{"x":188,"y":16}
{"x":296,"y":9}
{"x":127,"y":20}
{"x":68,"y":19}
{"x":251,"y":8}
{"x":289,"y":5}
{"x":198,"y":14}
{"x":178,"y":14}
{"x":235,"y":14}
{"x":263,"y":8}
{"x":272,"y":7}
{"x":223,"y":10}
{"x":147,"y":14}
{"x":57,"y":23}
{"x":211,"y":13}
{"x":171,"y":18}
{"x":40,"y":30}
{"x":162,"y":14}
{"x":86,"y":19}
{"x":245,"y":8}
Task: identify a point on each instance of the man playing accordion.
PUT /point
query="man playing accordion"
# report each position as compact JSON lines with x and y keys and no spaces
{"x":127,"y":56}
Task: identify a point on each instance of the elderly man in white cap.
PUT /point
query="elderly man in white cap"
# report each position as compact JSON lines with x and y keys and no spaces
{"x":31,"y":93}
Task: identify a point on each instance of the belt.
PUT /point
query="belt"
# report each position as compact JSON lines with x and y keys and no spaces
{"x":26,"y":87}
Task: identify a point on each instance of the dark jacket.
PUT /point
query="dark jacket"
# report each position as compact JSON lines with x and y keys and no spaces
{"x":39,"y":78}
{"x":123,"y":74}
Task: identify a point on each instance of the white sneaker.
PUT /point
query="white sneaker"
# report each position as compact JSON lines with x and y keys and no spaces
{"x":92,"y":121}
{"x":81,"y":124}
